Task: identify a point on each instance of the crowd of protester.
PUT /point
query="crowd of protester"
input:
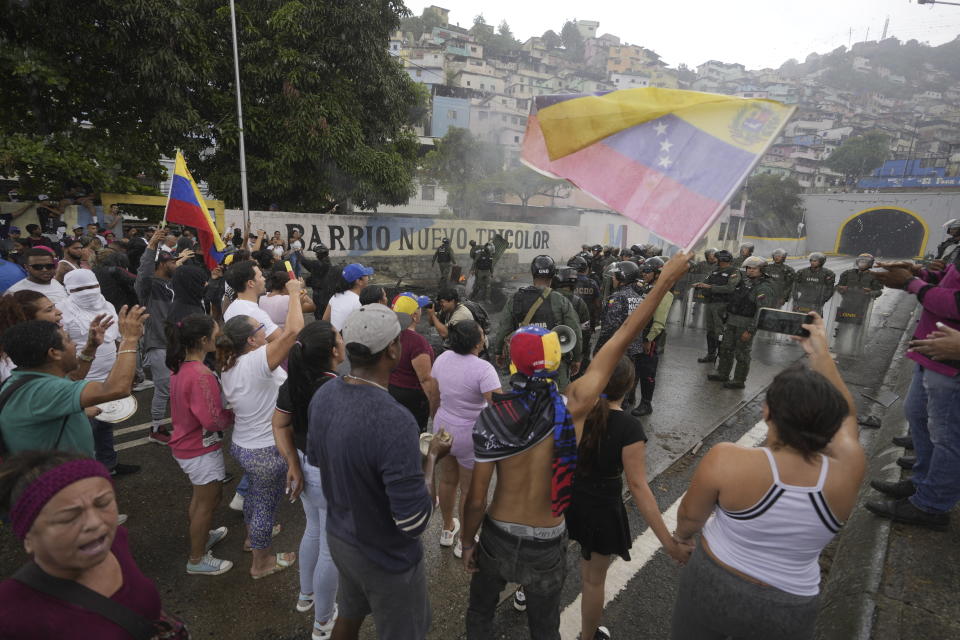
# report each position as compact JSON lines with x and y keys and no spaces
{"x":356,"y":415}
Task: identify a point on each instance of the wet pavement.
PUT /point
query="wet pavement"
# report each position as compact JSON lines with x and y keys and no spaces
{"x":688,"y":410}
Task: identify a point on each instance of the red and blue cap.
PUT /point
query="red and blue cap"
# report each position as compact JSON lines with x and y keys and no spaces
{"x":534,"y":351}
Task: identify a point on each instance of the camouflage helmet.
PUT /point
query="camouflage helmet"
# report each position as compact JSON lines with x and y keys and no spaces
{"x":864,"y":257}
{"x":779,"y":253}
{"x":755,"y":261}
{"x":818,"y":256}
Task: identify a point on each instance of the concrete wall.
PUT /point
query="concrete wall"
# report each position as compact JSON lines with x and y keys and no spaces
{"x":828,"y":213}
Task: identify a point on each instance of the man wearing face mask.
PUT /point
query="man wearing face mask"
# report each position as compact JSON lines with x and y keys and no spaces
{"x":83,"y":304}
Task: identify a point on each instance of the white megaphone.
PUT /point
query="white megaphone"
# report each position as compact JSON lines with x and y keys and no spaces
{"x":567,"y":336}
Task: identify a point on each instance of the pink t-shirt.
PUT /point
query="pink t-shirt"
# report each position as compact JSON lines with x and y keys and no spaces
{"x":463,"y":380}
{"x":195,"y":405}
{"x":30,"y":615}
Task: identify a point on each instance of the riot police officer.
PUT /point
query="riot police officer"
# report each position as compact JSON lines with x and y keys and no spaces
{"x":949,"y":249}
{"x":857,"y":287}
{"x":746,"y":250}
{"x":718,"y":286}
{"x":589,"y":292}
{"x":540,"y":305}
{"x":443,"y":257}
{"x":782,"y":275}
{"x":621,"y":303}
{"x":654,"y":337}
{"x":319,"y":269}
{"x":566,"y":283}
{"x":752,"y":292}
{"x":484,"y":273}
{"x":597,"y":262}
{"x":813,"y":285}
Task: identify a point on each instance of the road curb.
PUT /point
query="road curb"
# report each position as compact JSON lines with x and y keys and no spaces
{"x":849,"y":598}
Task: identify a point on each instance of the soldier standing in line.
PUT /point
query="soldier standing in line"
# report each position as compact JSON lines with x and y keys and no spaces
{"x":443,"y":257}
{"x":717,"y":289}
{"x":782,"y":276}
{"x":949,"y":249}
{"x":752,"y":292}
{"x":654,"y":337}
{"x":484,"y":273}
{"x":857,"y":287}
{"x":813,"y":285}
{"x":621,"y":303}
{"x":540,"y":305}
{"x":746,"y":250}
{"x":589,"y":292}
{"x":565,"y":283}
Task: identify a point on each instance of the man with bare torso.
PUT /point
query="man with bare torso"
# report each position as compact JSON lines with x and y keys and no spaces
{"x":529,"y":435}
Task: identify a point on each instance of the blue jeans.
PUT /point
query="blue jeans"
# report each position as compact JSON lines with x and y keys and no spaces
{"x":318,"y":574}
{"x":103,"y":443}
{"x":932,"y":408}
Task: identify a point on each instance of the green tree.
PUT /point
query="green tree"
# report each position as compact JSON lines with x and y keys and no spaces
{"x":551,"y":40}
{"x":525,"y":183}
{"x":573,"y":42}
{"x":859,"y":155}
{"x":463,"y":165}
{"x":774,"y":206}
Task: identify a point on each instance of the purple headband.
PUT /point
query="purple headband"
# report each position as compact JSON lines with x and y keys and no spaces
{"x":51,"y":482}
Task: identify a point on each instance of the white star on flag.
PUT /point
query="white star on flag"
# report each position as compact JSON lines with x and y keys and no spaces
{"x":665,"y":162}
{"x":665,"y":146}
{"x":661,"y":129}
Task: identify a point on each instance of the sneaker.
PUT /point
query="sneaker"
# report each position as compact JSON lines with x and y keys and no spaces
{"x":124,"y":469}
{"x":216,"y":535}
{"x":237,"y":503}
{"x":160,"y":436}
{"x":458,"y":549}
{"x":304,"y":602}
{"x":143,"y":385}
{"x":447,"y":537}
{"x":602,"y":633}
{"x":519,"y":599}
{"x":322,"y":630}
{"x":209,"y":566}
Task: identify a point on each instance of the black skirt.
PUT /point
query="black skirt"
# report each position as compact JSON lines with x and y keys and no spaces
{"x":597,"y":519}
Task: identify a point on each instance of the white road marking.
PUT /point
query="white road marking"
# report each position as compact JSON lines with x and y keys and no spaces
{"x":138,"y":427}
{"x":131,"y":444}
{"x":644,"y":547}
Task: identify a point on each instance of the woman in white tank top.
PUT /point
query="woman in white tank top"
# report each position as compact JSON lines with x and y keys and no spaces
{"x":765,"y":514}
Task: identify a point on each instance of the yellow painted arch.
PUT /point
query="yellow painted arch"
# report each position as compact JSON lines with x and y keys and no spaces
{"x":159,"y":201}
{"x":926,"y":227}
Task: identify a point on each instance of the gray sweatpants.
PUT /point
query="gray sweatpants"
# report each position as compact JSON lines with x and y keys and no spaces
{"x":714,"y":604}
{"x":155,"y":359}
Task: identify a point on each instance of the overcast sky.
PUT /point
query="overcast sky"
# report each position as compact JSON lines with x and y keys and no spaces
{"x":757,"y":33}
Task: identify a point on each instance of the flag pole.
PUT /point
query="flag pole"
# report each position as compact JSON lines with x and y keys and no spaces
{"x":243,"y":155}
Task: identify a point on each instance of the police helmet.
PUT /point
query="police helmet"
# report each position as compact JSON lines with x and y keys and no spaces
{"x":543,"y":267}
{"x":712,"y":251}
{"x":446,"y":241}
{"x":636,"y":249}
{"x":566,"y":277}
{"x":747,"y":245}
{"x":867,"y":258}
{"x":779,"y":253}
{"x":615,"y":251}
{"x":724,"y":256}
{"x":320,"y":250}
{"x":755,"y":261}
{"x":819,"y":257}
{"x":652,"y":265}
{"x":607,"y":250}
{"x":626,"y":254}
{"x":595,"y":248}
{"x":952,"y":224}
{"x":626,"y":272}
{"x":577,"y":263}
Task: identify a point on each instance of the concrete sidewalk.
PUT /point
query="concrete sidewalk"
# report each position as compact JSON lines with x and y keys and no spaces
{"x":891,"y":581}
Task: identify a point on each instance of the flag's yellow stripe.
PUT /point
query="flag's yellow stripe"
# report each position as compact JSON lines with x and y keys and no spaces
{"x":721,"y":121}
{"x":180,"y":169}
{"x":577,"y":123}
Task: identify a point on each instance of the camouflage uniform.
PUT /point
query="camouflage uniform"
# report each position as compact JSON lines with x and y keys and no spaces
{"x":782,"y":277}
{"x":749,"y":296}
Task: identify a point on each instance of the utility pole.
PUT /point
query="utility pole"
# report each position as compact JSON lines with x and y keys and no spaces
{"x":243,"y":154}
{"x":885,"y":25}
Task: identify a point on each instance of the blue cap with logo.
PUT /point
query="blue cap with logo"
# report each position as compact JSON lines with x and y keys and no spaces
{"x":355,"y":271}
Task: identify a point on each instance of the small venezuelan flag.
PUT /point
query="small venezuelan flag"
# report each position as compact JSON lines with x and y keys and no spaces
{"x":187,"y":207}
{"x":665,"y":158}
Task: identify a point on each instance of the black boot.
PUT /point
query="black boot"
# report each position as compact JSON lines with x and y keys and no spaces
{"x":711,"y":356}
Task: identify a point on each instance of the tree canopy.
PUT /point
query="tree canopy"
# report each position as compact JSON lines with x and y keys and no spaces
{"x":859,"y":155}
{"x":96,"y":96}
{"x":573,"y":42}
{"x":463,"y":165}
{"x":774,"y":207}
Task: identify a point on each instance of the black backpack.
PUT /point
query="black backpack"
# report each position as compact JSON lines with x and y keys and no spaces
{"x":479,"y":315}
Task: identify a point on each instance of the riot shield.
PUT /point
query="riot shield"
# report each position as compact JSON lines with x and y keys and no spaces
{"x":851,"y":322}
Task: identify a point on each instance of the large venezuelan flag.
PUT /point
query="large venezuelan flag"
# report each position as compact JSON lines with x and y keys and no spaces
{"x":187,"y":207}
{"x":667,"y":159}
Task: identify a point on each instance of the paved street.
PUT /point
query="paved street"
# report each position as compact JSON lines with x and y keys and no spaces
{"x":687,"y":410}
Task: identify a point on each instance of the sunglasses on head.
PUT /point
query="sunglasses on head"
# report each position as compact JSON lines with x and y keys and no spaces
{"x":43,"y":267}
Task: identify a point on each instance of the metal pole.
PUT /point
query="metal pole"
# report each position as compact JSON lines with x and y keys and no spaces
{"x":243,"y":155}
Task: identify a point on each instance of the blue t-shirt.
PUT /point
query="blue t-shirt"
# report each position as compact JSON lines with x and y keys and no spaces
{"x":367,"y":447}
{"x":10,"y":273}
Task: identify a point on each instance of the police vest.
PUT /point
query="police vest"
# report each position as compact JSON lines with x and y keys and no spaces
{"x":443,"y":254}
{"x":743,"y":301}
{"x":524,"y":299}
{"x":719,"y":277}
{"x":484,"y":262}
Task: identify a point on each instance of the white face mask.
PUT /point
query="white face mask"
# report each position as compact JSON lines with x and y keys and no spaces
{"x":86,"y":299}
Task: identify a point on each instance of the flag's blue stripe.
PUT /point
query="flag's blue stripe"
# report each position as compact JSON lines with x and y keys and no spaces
{"x":702,"y":163}
{"x":182,"y":190}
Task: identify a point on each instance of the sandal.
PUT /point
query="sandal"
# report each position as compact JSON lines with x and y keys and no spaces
{"x":277,"y":528}
{"x":282,"y":563}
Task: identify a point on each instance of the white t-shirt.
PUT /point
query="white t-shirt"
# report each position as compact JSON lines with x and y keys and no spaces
{"x":341,"y":306}
{"x":53,"y":290}
{"x":6,"y":368}
{"x":106,"y":353}
{"x":246,"y":308}
{"x":251,"y":389}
